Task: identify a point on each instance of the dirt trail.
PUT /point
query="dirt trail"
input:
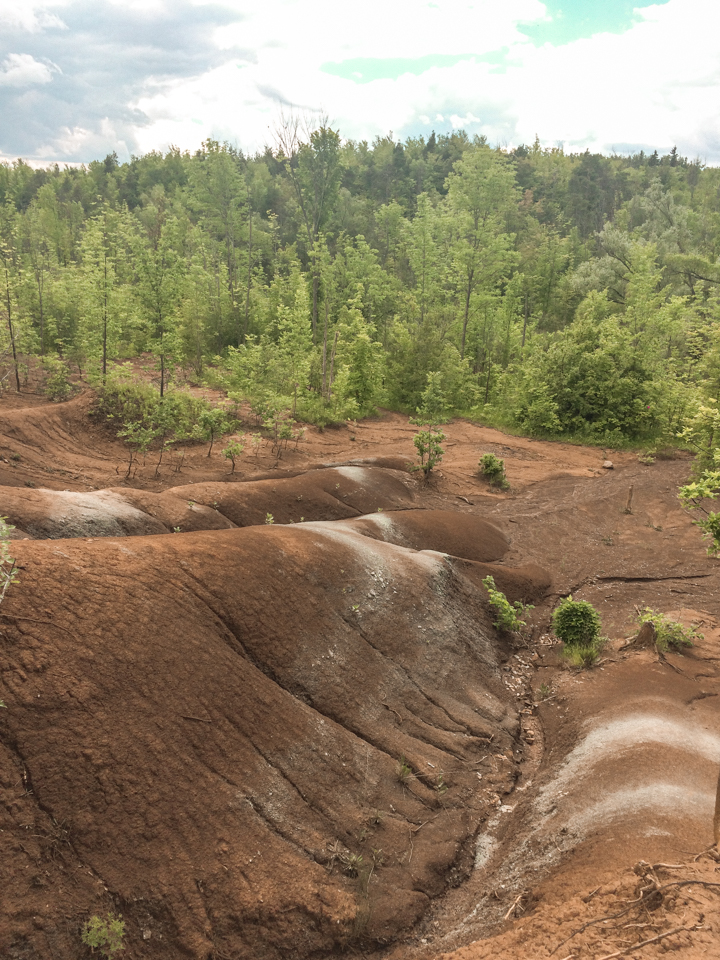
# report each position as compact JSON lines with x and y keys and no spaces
{"x":203,"y":729}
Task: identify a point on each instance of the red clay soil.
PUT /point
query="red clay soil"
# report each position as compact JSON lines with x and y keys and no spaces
{"x":206,"y":731}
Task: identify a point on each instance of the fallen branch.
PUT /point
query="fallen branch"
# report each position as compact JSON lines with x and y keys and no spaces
{"x":646,"y":943}
{"x":612,"y":916}
{"x":512,"y":908}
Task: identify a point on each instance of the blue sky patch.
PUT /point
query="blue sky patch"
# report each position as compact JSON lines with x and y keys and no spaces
{"x":576,"y":19}
{"x":367,"y":69}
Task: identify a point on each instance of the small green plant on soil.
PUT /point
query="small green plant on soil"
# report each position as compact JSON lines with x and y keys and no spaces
{"x":352,"y":863}
{"x":232,"y":451}
{"x":582,"y":654}
{"x":213,"y":423}
{"x":269,"y":518}
{"x":493,"y":470}
{"x":543,"y":692}
{"x":105,"y":935}
{"x":692,"y":496}
{"x":577,"y":624}
{"x":508,"y":614}
{"x":404,"y":772}
{"x":668,"y":633}
{"x":8,"y":570}
{"x":428,"y":443}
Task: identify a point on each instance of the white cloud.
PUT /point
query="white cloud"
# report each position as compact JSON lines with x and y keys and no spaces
{"x":314,"y":31}
{"x":29,"y":15}
{"x":22,"y":70}
{"x":658,"y":84}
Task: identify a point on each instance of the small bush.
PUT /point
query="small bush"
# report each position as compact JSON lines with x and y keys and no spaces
{"x":493,"y":470}
{"x":104,"y":935}
{"x":668,"y":633}
{"x":428,"y":443}
{"x":8,"y":570}
{"x":232,"y":451}
{"x":57,"y":378}
{"x":508,"y":614}
{"x":576,"y":623}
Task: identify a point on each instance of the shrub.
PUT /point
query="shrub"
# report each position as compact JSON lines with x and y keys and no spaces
{"x":493,"y":470}
{"x":576,"y":623}
{"x":508,"y":614}
{"x":668,"y":633}
{"x":105,"y":935}
{"x":232,"y":451}
{"x":57,"y":378}
{"x":8,"y":570}
{"x":428,"y":443}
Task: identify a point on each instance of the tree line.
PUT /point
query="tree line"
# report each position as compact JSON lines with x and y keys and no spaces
{"x":553,"y":293}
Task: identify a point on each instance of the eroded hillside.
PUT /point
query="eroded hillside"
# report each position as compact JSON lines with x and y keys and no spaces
{"x":304,"y":738}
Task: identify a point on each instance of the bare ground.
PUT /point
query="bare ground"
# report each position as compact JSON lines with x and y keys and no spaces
{"x":203,"y":730}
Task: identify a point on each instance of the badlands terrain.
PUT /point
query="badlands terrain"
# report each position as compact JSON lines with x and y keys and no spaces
{"x":305,"y":739}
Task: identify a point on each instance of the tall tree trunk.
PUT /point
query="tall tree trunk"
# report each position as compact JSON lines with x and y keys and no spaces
{"x":105,"y":311}
{"x":324,"y":353}
{"x":249,"y":274}
{"x":468,"y":293}
{"x":316,"y":280}
{"x":10,"y":328}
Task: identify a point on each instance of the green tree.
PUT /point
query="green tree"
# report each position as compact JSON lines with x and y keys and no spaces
{"x":481,"y":193}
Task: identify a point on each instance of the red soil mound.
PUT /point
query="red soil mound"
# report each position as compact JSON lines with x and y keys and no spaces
{"x":333,"y":494}
{"x":204,"y":732}
{"x":442,"y":530}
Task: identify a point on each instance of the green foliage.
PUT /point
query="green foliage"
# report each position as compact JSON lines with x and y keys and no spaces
{"x":213,"y":422}
{"x":553,"y":293}
{"x":57,"y":378}
{"x":668,"y":633}
{"x":8,"y":570}
{"x":576,"y":623}
{"x":588,"y":380}
{"x":404,"y":772}
{"x":141,"y":415}
{"x":493,"y":469}
{"x":582,"y":654}
{"x":232,"y":451}
{"x":105,"y":934}
{"x":428,"y":443}
{"x":508,"y":614}
{"x":692,"y":495}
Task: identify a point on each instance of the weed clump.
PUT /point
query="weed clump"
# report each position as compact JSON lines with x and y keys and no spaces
{"x":668,"y":633}
{"x":104,"y":935}
{"x":492,"y":468}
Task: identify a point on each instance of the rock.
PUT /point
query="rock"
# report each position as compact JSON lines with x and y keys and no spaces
{"x":608,"y":465}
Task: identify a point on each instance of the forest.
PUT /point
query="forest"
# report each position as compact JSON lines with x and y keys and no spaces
{"x":553,"y":294}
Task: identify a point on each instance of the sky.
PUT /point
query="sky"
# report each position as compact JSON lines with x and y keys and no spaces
{"x":82,"y":78}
